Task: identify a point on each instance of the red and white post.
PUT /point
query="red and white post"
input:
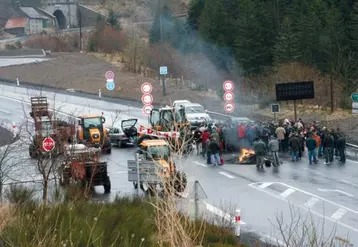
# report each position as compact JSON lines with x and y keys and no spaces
{"x":237,"y":223}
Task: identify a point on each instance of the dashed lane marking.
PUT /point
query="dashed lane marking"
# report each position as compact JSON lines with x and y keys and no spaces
{"x":311,"y":202}
{"x":338,"y":191}
{"x":4,"y":111}
{"x":226,"y":175}
{"x":339,"y":214}
{"x":200,"y":164}
{"x":287,"y":192}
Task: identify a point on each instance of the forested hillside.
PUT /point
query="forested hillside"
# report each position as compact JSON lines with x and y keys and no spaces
{"x":253,"y":38}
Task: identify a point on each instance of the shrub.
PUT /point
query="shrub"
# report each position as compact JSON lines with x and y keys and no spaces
{"x":10,"y":47}
{"x":19,"y":195}
{"x":18,"y":44}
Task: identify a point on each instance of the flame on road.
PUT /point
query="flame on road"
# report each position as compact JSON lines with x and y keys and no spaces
{"x":245,"y":153}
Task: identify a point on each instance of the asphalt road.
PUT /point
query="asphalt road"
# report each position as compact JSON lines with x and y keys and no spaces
{"x":324,"y":195}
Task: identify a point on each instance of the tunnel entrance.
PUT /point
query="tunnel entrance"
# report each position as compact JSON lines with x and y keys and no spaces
{"x":61,"y":19}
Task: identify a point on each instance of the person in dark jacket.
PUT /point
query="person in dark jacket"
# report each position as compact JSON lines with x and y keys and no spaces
{"x":197,"y":140}
{"x":260,"y":151}
{"x":328,"y":144}
{"x":341,"y":147}
{"x":294,"y":144}
{"x":301,"y":139}
{"x":311,"y":145}
{"x":214,"y":152}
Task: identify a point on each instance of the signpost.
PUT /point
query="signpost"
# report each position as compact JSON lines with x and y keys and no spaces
{"x":147,"y":98}
{"x":275,"y":108}
{"x":295,"y":91}
{"x":110,"y":85}
{"x":228,"y":86}
{"x":354,"y":98}
{"x":229,"y":107}
{"x":199,"y":194}
{"x":109,"y":75}
{"x":229,"y":96}
{"x":147,"y":109}
{"x":48,"y":144}
{"x":163,"y":71}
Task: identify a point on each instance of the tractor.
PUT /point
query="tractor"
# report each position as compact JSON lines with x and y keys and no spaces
{"x":157,"y":153}
{"x":91,"y":132}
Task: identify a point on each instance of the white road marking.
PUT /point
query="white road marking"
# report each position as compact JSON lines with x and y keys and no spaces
{"x":28,"y":119}
{"x":264,"y":185}
{"x":311,"y":202}
{"x":339,"y":191}
{"x":339,"y":214}
{"x":221,"y":213}
{"x":200,"y":164}
{"x":304,"y":208}
{"x":287,"y":192}
{"x":4,"y":111}
{"x":119,"y":172}
{"x":226,"y":175}
{"x":350,"y":183}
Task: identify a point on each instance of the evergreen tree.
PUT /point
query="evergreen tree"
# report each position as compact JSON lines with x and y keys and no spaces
{"x":112,"y":20}
{"x":255,"y":37}
{"x":195,"y":9}
{"x":165,"y":17}
{"x":286,"y":48}
{"x":353,"y":29}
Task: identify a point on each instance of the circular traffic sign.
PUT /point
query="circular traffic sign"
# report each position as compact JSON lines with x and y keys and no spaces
{"x":147,"y":109}
{"x":146,"y":87}
{"x":110,"y":85}
{"x":228,"y":86}
{"x":229,"y":107}
{"x":109,"y":75}
{"x":229,"y":96}
{"x":147,"y":99}
{"x":48,"y":144}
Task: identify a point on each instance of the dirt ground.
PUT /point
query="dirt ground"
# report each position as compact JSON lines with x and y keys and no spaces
{"x":86,"y":72}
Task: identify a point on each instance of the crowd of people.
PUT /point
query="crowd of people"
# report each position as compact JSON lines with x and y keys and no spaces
{"x":269,"y":139}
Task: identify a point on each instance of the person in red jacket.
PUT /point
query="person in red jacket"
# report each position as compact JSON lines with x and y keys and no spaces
{"x":241,"y":131}
{"x":204,"y":138}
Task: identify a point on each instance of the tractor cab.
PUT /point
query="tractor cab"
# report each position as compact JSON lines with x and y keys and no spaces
{"x":92,"y":126}
{"x":167,"y":119}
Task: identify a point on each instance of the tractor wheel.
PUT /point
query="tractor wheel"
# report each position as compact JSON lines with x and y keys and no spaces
{"x":180,"y":181}
{"x":107,"y":185}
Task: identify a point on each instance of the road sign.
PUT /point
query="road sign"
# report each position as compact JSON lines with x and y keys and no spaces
{"x":228,"y":86}
{"x":295,"y":91}
{"x":275,"y":108}
{"x":163,"y":70}
{"x":109,"y":75}
{"x":229,"y":96}
{"x":110,"y":85}
{"x":147,"y":99}
{"x":229,"y":107}
{"x":354,"y":97}
{"x":147,"y":109}
{"x":146,"y":87}
{"x":48,"y":144}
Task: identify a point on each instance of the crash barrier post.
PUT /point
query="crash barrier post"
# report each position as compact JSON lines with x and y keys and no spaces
{"x":138,"y":174}
{"x":100,"y":93}
{"x":17,"y":81}
{"x":196,"y":199}
{"x":237,"y":223}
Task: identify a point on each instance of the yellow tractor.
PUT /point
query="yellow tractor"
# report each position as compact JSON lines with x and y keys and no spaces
{"x":155,"y":155}
{"x":91,"y":132}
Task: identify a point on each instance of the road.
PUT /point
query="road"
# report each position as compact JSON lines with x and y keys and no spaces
{"x":327,"y":195}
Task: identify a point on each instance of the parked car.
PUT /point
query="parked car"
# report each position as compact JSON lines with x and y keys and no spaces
{"x":178,"y":103}
{"x":124,"y":134}
{"x":196,"y":115}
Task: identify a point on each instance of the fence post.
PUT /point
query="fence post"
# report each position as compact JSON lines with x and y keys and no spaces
{"x":237,"y":223}
{"x":196,"y":199}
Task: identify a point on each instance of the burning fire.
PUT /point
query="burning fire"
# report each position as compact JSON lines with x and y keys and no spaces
{"x":245,"y":153}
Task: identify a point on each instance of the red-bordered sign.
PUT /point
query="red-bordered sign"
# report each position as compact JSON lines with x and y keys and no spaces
{"x":229,"y":107}
{"x":147,"y":99}
{"x":229,"y":96}
{"x":48,"y":144}
{"x":147,"y":109}
{"x":109,"y":75}
{"x":228,"y":86}
{"x":146,"y":87}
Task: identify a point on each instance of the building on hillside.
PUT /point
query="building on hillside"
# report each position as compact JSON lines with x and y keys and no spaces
{"x":29,"y":21}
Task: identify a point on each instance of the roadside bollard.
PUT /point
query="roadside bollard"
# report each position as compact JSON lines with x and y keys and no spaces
{"x":18,"y":81}
{"x":100,"y":93}
{"x":237,"y":224}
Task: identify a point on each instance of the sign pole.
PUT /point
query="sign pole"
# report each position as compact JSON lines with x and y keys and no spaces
{"x":138,"y":175}
{"x":196,"y":199}
{"x":274,"y":116}
{"x":295,"y":109}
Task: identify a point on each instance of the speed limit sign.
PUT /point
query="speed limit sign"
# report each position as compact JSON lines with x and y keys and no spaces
{"x":228,"y":86}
